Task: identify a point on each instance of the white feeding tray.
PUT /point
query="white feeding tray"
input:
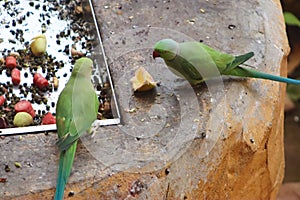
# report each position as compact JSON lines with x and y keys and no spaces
{"x":71,"y":29}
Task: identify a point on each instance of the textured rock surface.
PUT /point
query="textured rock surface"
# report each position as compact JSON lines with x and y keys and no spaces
{"x":236,"y":151}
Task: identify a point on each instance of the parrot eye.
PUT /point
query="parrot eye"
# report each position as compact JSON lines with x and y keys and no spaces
{"x":164,"y":52}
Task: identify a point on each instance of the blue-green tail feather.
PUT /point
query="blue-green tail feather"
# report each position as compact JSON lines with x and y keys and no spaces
{"x":248,"y":72}
{"x":65,"y":166}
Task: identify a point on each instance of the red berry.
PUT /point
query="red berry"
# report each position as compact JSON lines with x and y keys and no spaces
{"x":24,"y":106}
{"x":2,"y":100}
{"x":48,"y":119}
{"x":32,"y":112}
{"x":36,"y":77}
{"x":10,"y":62}
{"x":40,"y":81}
{"x":16,"y":76}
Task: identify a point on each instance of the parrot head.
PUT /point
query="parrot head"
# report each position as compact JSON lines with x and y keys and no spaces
{"x":166,"y":49}
{"x":83,"y":66}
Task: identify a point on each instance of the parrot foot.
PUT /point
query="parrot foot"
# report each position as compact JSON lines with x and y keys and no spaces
{"x":92,"y":130}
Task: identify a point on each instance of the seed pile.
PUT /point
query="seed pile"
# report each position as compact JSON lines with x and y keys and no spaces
{"x":40,"y":79}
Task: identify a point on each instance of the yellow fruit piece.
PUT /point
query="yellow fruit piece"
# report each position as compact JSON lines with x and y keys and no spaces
{"x":142,"y":81}
{"x":18,"y":165}
{"x":38,"y":45}
{"x":22,"y":119}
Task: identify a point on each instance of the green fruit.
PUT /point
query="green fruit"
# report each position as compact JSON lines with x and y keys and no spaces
{"x":23,"y":119}
{"x":38,"y":45}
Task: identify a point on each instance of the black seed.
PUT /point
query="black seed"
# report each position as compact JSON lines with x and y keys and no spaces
{"x":167,"y":171}
{"x":98,"y":87}
{"x":67,"y":49}
{"x":7,"y":168}
{"x":3,"y":123}
{"x":45,"y":101}
{"x":12,"y":41}
{"x":61,"y":34}
{"x":71,"y":193}
{"x":8,"y":73}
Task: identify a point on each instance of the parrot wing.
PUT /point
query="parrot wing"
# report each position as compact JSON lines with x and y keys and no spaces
{"x":238,"y":60}
{"x":200,"y":62}
{"x":220,"y":59}
{"x":69,"y":137}
{"x":191,"y":70}
{"x":75,"y":127}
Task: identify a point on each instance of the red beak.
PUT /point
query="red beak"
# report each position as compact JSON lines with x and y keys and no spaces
{"x":155,"y":54}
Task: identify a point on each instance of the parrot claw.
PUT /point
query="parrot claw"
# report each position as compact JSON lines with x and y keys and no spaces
{"x":92,"y":130}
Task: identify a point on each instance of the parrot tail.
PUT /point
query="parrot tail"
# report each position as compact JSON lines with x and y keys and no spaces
{"x":251,"y":73}
{"x":64,"y":169}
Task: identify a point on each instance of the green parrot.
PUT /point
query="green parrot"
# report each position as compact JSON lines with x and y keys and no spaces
{"x":77,"y":108}
{"x":197,"y":62}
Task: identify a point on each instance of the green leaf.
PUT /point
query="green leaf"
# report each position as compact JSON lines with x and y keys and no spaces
{"x":291,"y":19}
{"x":293,"y":91}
